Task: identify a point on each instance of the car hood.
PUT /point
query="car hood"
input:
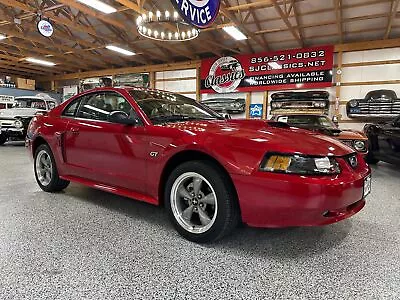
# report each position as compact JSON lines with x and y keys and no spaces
{"x":348,"y":134}
{"x":264,"y":136}
{"x":18,"y":112}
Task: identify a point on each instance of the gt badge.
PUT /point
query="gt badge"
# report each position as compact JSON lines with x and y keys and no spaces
{"x":153,"y":154}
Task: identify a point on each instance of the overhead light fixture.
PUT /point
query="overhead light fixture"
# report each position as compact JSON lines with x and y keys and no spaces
{"x":235,"y":33}
{"x":152,"y":26}
{"x":120,"y":50}
{"x":2,"y":37}
{"x":99,"y":5}
{"x":40,"y":62}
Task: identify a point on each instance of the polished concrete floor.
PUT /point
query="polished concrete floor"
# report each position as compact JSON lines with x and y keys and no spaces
{"x":87,"y":244}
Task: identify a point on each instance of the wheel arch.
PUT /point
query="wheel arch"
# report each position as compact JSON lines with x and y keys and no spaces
{"x":39,"y":140}
{"x":185,"y":156}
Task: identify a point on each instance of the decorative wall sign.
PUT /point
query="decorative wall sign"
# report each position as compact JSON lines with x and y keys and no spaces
{"x":199,"y":13}
{"x":45,"y":28}
{"x":256,"y":111}
{"x":291,"y":69}
{"x":6,"y":99}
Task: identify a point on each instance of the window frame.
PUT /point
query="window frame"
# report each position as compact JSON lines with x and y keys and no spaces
{"x":93,"y":94}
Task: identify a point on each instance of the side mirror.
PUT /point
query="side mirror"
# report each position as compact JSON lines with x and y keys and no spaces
{"x":120,"y":117}
{"x":227,"y":116}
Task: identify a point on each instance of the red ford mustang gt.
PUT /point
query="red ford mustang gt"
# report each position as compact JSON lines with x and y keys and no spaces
{"x":210,"y":173}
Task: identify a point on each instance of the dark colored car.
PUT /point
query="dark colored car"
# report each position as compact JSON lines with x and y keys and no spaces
{"x":384,"y":141}
{"x":307,"y":102}
{"x":210,"y":173}
{"x":321,"y":123}
{"x":231,"y":106}
{"x":376,"y":104}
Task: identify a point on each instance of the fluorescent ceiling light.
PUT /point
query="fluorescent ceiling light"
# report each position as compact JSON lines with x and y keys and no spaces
{"x":2,"y":37}
{"x":40,"y":62}
{"x":120,"y":50}
{"x":235,"y":33}
{"x":101,"y":6}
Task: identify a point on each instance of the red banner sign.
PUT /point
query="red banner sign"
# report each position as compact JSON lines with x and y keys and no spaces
{"x":306,"y":68}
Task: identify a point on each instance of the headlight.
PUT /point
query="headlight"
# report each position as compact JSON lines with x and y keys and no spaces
{"x":360,"y":146}
{"x":273,"y":105}
{"x":279,"y":104}
{"x":18,"y":124}
{"x":297,"y":164}
{"x":353,"y":103}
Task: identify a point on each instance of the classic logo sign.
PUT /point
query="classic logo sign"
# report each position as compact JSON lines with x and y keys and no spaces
{"x":306,"y":68}
{"x":199,"y":13}
{"x":225,"y":75}
{"x":45,"y":28}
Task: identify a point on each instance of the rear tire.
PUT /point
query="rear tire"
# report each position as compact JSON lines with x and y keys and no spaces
{"x":3,"y":139}
{"x":46,"y":171}
{"x":201,"y":201}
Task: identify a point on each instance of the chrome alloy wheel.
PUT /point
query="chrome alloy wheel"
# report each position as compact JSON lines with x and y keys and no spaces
{"x":194,"y":203}
{"x":44,"y":168}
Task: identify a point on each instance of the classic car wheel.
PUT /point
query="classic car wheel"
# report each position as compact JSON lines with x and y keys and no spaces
{"x":46,"y":171}
{"x":3,"y":139}
{"x":201,"y":202}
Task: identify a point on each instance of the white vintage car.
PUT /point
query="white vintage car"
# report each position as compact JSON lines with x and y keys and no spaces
{"x":14,"y":121}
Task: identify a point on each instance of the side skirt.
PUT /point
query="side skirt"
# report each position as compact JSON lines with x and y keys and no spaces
{"x":111,"y":189}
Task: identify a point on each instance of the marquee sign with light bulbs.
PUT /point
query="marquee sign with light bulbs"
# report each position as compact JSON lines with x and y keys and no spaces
{"x":152,"y":26}
{"x":199,"y":13}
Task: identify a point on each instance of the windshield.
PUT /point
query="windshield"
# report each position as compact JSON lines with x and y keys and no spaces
{"x":163,"y":107}
{"x":30,"y":103}
{"x":307,"y":121}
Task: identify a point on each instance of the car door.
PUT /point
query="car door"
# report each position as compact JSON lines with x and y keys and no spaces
{"x":105,"y":152}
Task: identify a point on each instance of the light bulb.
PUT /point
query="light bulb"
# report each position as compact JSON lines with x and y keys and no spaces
{"x":175,"y":15}
{"x":167,"y":14}
{"x":150,"y":16}
{"x":176,"y":35}
{"x":162,"y":35}
{"x":158,"y":14}
{"x":156,"y":34}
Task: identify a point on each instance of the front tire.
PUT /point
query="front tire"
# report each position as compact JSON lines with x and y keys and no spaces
{"x":46,"y":171}
{"x":201,"y":201}
{"x":3,"y":139}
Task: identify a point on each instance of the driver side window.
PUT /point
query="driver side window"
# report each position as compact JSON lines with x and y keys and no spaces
{"x":98,"y":106}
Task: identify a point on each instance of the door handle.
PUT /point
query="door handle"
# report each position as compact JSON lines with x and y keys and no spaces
{"x":75,"y":130}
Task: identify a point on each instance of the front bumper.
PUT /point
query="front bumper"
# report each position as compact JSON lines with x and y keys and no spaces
{"x":281,"y":200}
{"x":13,"y":133}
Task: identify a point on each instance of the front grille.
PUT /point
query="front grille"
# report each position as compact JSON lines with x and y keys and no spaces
{"x":347,"y":143}
{"x":7,"y":123}
{"x":380,"y":107}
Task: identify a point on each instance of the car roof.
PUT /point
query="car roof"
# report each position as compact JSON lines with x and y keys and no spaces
{"x":126,"y":88}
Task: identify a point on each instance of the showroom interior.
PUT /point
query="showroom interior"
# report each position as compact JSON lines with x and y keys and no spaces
{"x":187,"y":149}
